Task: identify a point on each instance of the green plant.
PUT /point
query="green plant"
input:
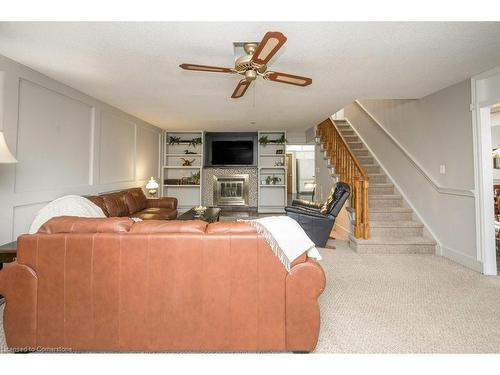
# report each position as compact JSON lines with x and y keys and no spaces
{"x":264,"y":140}
{"x":174,"y":140}
{"x":281,"y":140}
{"x":195,"y":177}
{"x":195,"y":141}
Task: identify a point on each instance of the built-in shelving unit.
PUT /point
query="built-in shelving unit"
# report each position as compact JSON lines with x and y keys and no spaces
{"x":272,"y":172}
{"x":179,"y":180}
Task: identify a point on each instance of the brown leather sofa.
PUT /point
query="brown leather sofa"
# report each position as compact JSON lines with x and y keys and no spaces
{"x":110,"y":284}
{"x":133,"y":203}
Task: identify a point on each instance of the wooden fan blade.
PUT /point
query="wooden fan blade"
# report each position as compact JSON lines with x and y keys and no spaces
{"x":240,"y":90}
{"x":270,"y":44}
{"x":205,"y":68}
{"x":289,"y":78}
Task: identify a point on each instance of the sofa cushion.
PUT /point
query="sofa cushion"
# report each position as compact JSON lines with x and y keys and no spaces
{"x":156,"y":214}
{"x":75,"y":224}
{"x":171,"y":226}
{"x":115,"y":204}
{"x":232,"y":228}
{"x":98,"y":201}
{"x":135,"y":200}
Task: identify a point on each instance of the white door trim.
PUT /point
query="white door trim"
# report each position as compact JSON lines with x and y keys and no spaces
{"x":483,"y":173}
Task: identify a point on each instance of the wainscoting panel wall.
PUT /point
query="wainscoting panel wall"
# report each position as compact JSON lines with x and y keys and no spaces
{"x":46,"y":116}
{"x":117,"y":149}
{"x":146,"y":163}
{"x":66,"y":142}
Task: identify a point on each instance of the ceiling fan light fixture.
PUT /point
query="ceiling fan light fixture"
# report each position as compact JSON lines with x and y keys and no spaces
{"x":250,"y":75}
{"x":254,"y":64}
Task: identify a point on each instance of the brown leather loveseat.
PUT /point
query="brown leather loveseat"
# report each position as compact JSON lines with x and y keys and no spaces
{"x":114,"y":285}
{"x":133,"y":203}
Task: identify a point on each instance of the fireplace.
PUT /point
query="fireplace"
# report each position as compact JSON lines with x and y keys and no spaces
{"x":231,"y":190}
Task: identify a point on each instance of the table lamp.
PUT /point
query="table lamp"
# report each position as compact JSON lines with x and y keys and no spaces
{"x":152,"y":187}
{"x":5,"y":154}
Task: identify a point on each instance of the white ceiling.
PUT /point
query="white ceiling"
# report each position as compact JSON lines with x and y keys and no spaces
{"x":134,"y":66}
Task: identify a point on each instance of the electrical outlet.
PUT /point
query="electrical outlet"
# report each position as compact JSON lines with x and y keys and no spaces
{"x":442,"y":169}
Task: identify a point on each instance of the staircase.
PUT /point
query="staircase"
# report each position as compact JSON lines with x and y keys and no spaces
{"x":393,"y":226}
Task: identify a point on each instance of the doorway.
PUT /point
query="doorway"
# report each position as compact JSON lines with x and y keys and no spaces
{"x":300,"y":172}
{"x":485,"y":97}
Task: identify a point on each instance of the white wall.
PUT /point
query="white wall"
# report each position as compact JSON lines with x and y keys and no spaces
{"x":426,"y":133}
{"x":66,"y":143}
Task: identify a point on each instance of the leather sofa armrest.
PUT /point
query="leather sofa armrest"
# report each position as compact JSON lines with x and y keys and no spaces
{"x":306,"y":211}
{"x":19,"y":286}
{"x":165,"y":202}
{"x":306,"y":204}
{"x":304,"y":284}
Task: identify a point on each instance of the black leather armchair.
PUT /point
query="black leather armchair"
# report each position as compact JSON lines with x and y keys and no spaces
{"x":317,"y":219}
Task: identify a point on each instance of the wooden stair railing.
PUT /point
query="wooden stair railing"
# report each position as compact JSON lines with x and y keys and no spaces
{"x":349,"y":170}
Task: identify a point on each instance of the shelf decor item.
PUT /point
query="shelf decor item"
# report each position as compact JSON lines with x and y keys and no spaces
{"x":264,"y":140}
{"x":195,"y":141}
{"x":195,"y":178}
{"x":174,"y":140}
{"x":172,"y":181}
{"x":187,"y":163}
{"x":152,"y":187}
{"x":273,"y":180}
{"x":281,"y":140}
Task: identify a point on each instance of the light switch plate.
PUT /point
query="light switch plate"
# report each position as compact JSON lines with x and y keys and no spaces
{"x":442,"y":169}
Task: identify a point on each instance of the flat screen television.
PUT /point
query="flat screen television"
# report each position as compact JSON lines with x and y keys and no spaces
{"x":232,"y":152}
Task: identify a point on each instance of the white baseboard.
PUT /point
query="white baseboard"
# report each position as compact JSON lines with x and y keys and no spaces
{"x":462,"y":259}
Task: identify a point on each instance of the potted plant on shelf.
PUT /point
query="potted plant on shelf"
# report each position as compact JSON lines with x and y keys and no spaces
{"x":174,"y":140}
{"x":281,"y":140}
{"x":195,"y":178}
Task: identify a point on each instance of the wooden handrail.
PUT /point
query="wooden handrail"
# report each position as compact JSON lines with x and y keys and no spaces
{"x":350,"y":171}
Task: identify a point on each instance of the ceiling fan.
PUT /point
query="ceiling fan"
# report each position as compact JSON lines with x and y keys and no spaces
{"x":254,"y":64}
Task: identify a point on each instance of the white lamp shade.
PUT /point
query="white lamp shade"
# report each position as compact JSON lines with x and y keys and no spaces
{"x":5,"y":154}
{"x":152,"y":184}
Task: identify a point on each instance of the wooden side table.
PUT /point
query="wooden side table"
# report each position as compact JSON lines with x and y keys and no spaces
{"x":8,"y":253}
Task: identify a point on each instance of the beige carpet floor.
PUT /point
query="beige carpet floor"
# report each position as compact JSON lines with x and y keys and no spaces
{"x":376,"y":303}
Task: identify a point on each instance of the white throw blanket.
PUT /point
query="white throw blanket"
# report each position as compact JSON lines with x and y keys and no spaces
{"x":286,"y":237}
{"x":69,"y":205}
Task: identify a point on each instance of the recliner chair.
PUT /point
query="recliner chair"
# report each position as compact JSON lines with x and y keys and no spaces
{"x":317,"y":219}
